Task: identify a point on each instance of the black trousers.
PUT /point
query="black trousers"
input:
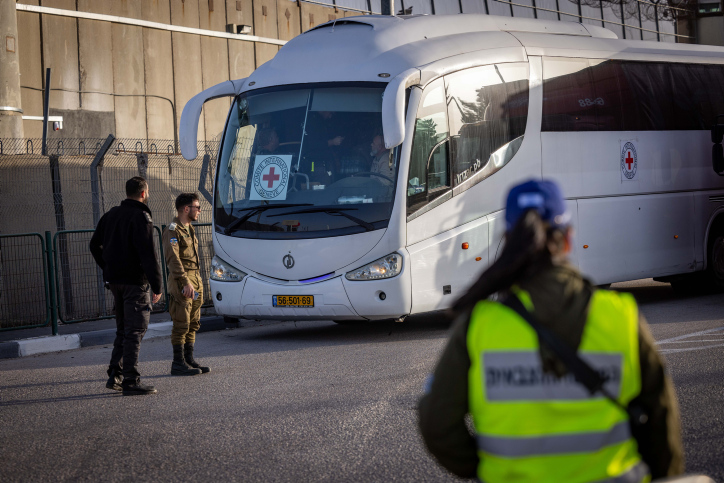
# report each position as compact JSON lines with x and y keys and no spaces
{"x":133,"y":312}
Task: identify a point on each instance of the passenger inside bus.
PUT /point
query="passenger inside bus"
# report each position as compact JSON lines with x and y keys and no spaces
{"x":381,"y":158}
{"x":268,"y":141}
{"x":331,"y":153}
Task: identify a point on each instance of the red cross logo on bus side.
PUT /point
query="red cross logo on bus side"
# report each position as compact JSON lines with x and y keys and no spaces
{"x":271,"y":177}
{"x":629,"y":160}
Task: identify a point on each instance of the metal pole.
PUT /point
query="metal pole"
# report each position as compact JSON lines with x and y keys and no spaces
{"x":51,"y":282}
{"x":95,"y":168}
{"x":46,"y":105}
{"x":656,"y":19}
{"x":202,"y":179}
{"x":62,"y":237}
{"x":388,"y":7}
{"x":97,"y":199}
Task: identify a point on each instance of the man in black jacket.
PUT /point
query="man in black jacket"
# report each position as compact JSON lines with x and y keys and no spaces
{"x":122,"y":246}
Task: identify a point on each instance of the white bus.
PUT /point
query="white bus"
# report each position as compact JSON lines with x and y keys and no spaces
{"x":363,"y":170}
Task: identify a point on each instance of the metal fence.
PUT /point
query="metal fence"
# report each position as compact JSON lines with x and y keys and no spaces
{"x":66,"y":193}
{"x":629,"y":19}
{"x":24,"y":299}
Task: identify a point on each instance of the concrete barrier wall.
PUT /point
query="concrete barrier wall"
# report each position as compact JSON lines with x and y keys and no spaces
{"x":133,"y":78}
{"x":38,"y":205}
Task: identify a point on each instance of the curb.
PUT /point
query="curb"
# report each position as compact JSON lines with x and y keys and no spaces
{"x":56,"y":343}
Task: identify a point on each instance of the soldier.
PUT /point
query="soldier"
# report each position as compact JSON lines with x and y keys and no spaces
{"x":180,"y":247}
{"x":542,"y":423}
{"x":122,"y":246}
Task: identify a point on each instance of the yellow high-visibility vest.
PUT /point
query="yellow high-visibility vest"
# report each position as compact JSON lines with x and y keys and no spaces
{"x":533,"y":426}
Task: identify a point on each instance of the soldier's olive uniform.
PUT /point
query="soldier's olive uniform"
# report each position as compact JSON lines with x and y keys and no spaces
{"x":180,"y":247}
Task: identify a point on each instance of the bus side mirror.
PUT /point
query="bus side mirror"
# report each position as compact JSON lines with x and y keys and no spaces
{"x":717,"y":158}
{"x":189,"y":130}
{"x":393,"y":107}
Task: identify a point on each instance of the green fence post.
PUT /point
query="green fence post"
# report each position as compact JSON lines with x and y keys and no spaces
{"x":51,"y":282}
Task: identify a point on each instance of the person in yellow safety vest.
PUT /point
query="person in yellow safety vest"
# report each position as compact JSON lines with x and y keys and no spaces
{"x":533,"y":421}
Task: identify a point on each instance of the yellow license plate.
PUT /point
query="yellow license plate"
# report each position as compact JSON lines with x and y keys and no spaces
{"x":298,"y":301}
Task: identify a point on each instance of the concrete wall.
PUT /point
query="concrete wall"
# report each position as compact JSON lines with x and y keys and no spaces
{"x":31,"y":69}
{"x":711,"y":30}
{"x":138,"y":76}
{"x":158,"y":65}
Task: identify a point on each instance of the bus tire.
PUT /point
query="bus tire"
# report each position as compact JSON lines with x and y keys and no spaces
{"x":715,"y":257}
{"x":710,"y":280}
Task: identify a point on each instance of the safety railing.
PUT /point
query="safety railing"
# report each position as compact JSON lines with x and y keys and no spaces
{"x":24,"y":291}
{"x":77,"y":291}
{"x":81,"y":291}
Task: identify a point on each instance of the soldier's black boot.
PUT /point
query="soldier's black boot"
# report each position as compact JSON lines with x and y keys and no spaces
{"x":115,"y":378}
{"x":189,"y":356}
{"x":179,"y":366}
{"x":133,"y":387}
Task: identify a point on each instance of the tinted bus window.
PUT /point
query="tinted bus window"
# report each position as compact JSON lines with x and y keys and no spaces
{"x":617,"y":95}
{"x":568,"y":97}
{"x":487,"y":109}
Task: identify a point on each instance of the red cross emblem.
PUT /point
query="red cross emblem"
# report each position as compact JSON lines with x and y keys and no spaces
{"x":629,"y":162}
{"x":271,"y":177}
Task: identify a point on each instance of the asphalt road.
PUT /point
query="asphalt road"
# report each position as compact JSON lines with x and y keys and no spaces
{"x":309,"y":401}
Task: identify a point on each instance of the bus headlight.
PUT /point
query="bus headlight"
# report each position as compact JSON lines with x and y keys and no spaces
{"x":386,"y":267}
{"x":223,"y":272}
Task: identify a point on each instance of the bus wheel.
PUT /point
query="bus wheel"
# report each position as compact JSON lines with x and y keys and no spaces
{"x":715,"y":267}
{"x":710,"y":280}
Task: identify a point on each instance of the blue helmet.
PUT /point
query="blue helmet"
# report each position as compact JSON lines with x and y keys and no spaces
{"x":544,"y":196}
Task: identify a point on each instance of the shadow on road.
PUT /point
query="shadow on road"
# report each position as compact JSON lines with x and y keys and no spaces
{"x":662,"y":305}
{"x":357,"y":332}
{"x":86,"y":397}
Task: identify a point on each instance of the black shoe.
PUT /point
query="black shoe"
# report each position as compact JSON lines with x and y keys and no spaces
{"x":179,"y":366}
{"x":189,"y":358}
{"x":114,"y":380}
{"x":135,"y":388}
{"x":183,"y":369}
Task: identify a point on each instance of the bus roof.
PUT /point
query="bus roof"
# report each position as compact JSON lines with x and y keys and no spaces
{"x":376,"y":48}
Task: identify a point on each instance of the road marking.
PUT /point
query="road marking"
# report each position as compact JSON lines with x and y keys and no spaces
{"x":669,"y":351}
{"x":695,"y":340}
{"x":686,"y":336}
{"x":687,"y":339}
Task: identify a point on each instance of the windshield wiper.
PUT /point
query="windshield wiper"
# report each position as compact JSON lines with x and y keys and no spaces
{"x":253,"y":210}
{"x":332,"y":211}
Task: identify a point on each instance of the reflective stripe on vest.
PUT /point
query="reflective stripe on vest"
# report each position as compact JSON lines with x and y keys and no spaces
{"x":533,"y":426}
{"x":554,"y":444}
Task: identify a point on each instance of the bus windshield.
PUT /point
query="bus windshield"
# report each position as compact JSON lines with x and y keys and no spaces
{"x":304,"y":162}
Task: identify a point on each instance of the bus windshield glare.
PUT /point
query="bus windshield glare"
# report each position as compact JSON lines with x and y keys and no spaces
{"x":305,"y":162}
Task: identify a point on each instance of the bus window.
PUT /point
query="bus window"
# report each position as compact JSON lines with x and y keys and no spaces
{"x":708,"y":90}
{"x":568,"y":97}
{"x":429,"y":171}
{"x":487,"y":108}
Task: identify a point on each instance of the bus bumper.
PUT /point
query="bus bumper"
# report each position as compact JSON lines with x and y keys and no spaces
{"x":334,"y":299}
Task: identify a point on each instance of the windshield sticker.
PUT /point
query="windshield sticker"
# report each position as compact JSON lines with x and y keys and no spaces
{"x":271,"y":177}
